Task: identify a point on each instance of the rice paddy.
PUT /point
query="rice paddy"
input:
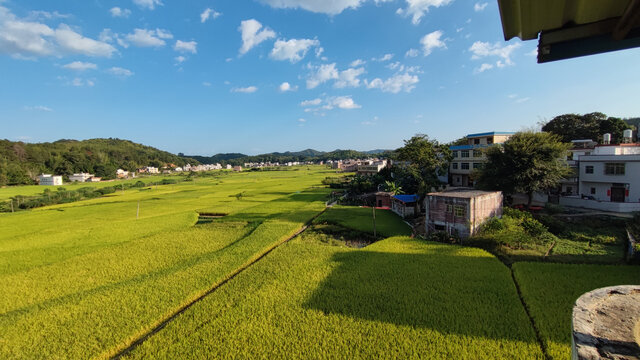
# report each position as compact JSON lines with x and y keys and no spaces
{"x":91,"y":279}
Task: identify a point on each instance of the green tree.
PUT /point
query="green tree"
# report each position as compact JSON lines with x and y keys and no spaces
{"x":588,"y":126}
{"x":425,"y":160}
{"x":392,"y":187}
{"x":526,"y":163}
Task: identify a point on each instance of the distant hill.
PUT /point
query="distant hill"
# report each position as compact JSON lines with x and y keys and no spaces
{"x":21,"y":163}
{"x":377,"y":151}
{"x":217,"y":158}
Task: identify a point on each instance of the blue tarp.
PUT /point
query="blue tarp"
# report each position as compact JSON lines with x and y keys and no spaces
{"x":407,"y":198}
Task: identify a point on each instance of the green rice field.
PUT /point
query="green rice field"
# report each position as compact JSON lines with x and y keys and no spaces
{"x":141,"y":274}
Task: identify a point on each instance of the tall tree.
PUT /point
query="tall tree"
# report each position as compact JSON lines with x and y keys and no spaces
{"x":588,"y":126}
{"x":526,"y":163}
{"x":425,"y":160}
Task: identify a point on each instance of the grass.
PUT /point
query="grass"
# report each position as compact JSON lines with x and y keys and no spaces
{"x":398,"y":298}
{"x":550,"y":291}
{"x":361,"y":219}
{"x":83,"y":280}
{"x":519,"y":236}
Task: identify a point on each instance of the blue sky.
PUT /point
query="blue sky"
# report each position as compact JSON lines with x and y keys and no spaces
{"x":255,"y":76}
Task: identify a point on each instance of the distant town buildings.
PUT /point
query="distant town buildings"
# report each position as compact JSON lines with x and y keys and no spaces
{"x":122,"y":174}
{"x":82,"y":177}
{"x":461,"y":211}
{"x":471,"y":156}
{"x":50,"y":180}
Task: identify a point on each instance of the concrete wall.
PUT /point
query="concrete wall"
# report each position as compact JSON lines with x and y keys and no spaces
{"x":477,"y":211}
{"x":599,"y":205}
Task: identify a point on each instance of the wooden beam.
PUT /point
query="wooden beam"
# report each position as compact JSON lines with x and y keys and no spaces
{"x":627,"y":21}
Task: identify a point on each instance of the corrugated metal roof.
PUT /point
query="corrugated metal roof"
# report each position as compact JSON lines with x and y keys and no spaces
{"x":527,"y":18}
{"x":407,"y":198}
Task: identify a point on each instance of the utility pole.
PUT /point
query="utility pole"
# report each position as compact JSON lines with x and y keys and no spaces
{"x":138,"y":211}
{"x":374,"y":223}
{"x":11,"y":205}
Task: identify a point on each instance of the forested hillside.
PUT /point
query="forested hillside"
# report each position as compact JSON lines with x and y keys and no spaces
{"x":21,"y":163}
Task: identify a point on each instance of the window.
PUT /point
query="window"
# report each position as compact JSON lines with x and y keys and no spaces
{"x":455,"y":154}
{"x":588,"y":169}
{"x":454,"y":166}
{"x":593,"y":191}
{"x":490,"y":141}
{"x":459,"y":211}
{"x":464,"y":153}
{"x":440,"y":228}
{"x":614,"y":169}
{"x":476,"y":141}
{"x":449,"y":208}
{"x":464,"y":166}
{"x":476,"y":165}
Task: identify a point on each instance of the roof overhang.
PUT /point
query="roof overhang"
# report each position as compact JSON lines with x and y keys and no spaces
{"x":572,"y":28}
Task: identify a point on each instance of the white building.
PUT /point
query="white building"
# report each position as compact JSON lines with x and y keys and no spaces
{"x":467,"y":158}
{"x":152,"y":170}
{"x":608,"y":179}
{"x":50,"y":180}
{"x":121,"y":174}
{"x":82,"y":177}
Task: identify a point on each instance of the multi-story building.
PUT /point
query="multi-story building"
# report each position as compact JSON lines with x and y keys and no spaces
{"x":608,"y":179}
{"x":469,"y":157}
{"x":461,"y":211}
{"x":50,"y":180}
{"x":371,"y":167}
{"x":569,"y":185}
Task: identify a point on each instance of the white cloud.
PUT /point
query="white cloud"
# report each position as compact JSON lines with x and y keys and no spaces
{"x":246,"y":90}
{"x":209,"y":14}
{"x":78,"y":82}
{"x":322,"y":74}
{"x":285,"y":86}
{"x":342,"y":102}
{"x":417,"y":8}
{"x":484,"y":67}
{"x":80,"y":66}
{"x":252,"y":35}
{"x":148,"y":4}
{"x":331,"y":7}
{"x":512,"y":96}
{"x":180,"y":59}
{"x":533,"y":52}
{"x":385,"y":57}
{"x":24,"y":39}
{"x":349,"y":78}
{"x":73,"y":42}
{"x":148,"y":38}
{"x":293,"y":50}
{"x":45,"y":15}
{"x":38,"y":108}
{"x":432,"y":41}
{"x":357,"y":62}
{"x":480,"y":7}
{"x":186,"y":46}
{"x":119,"y":12}
{"x":118,"y":71}
{"x":520,"y":101}
{"x":206,"y":83}
{"x":395,"y":84}
{"x":302,"y":120}
{"x":314,"y":102}
{"x":482,"y":49}
{"x":412,"y":53}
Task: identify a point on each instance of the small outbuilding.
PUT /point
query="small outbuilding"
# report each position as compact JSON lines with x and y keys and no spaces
{"x":404,"y":205}
{"x":461,"y":211}
{"x":50,"y":180}
{"x":383,"y":199}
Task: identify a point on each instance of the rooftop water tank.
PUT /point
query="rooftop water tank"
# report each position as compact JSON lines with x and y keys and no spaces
{"x":606,"y":139}
{"x":628,"y":136}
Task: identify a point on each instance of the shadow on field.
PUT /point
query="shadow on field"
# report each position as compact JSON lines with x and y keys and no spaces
{"x":443,"y":291}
